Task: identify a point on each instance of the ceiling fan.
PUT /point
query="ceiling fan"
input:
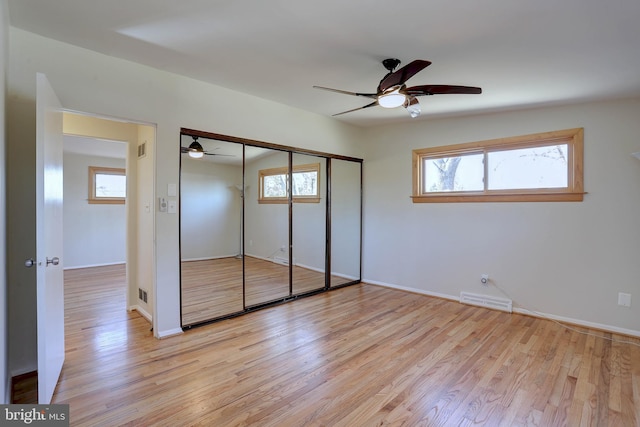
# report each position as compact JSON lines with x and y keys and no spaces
{"x":196,"y":151}
{"x":392,"y":91}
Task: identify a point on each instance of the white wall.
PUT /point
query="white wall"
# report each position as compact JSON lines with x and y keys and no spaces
{"x":5,"y":391}
{"x":90,"y":82}
{"x":141,"y":250}
{"x":211,"y":209}
{"x":94,"y":234}
{"x":569,"y":260}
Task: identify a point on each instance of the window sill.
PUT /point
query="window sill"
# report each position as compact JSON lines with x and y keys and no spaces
{"x":471,"y":198}
{"x":106,"y":201}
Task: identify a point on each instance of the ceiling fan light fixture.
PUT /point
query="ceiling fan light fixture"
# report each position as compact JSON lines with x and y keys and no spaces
{"x":392,"y":99}
{"x":195,"y":149}
{"x":414,"y":111}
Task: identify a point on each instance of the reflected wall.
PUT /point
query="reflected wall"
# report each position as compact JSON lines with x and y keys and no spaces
{"x":309,"y":216}
{"x":210,"y":231}
{"x":266,"y":225}
{"x":346,"y":215}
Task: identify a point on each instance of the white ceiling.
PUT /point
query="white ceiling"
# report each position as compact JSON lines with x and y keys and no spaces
{"x":522,"y":53}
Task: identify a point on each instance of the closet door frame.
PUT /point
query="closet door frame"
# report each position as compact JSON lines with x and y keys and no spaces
{"x":327,"y":241}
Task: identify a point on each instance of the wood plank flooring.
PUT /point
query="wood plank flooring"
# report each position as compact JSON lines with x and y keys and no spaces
{"x":213,"y":288}
{"x":358,"y":356}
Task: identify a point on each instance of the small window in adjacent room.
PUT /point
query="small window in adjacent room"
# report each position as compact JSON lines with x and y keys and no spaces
{"x":274,"y":184}
{"x":530,"y":168}
{"x":107,"y":185}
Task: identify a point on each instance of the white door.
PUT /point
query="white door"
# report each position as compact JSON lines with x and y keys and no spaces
{"x":50,"y":290}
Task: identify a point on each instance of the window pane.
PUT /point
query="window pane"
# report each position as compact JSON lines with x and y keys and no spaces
{"x":110,"y":185}
{"x":460,"y":173}
{"x":537,"y":167}
{"x":275,"y":186}
{"x":305,"y":183}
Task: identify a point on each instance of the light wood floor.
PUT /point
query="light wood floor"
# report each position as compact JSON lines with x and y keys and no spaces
{"x":213,"y":288}
{"x":358,"y":356}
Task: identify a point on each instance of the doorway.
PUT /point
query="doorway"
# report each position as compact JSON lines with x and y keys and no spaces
{"x":115,"y":232}
{"x":134,"y":224}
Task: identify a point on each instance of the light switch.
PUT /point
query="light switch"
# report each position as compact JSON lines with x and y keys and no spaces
{"x":172,"y":190}
{"x":173,"y":206}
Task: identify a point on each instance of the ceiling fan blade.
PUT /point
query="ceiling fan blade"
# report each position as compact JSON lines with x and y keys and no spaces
{"x":403,"y":74}
{"x":440,"y":89}
{"x":373,"y":104}
{"x":368,"y":95}
{"x":413,"y":106}
{"x":214,"y":154}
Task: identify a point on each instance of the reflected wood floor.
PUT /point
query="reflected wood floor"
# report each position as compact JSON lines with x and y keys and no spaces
{"x":358,"y":356}
{"x":213,"y":288}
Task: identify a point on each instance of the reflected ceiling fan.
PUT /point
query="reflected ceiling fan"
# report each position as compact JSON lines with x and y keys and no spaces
{"x":392,"y":91}
{"x":196,"y":151}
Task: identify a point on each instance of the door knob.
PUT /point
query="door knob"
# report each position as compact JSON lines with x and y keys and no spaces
{"x":55,"y":261}
{"x":29,"y":263}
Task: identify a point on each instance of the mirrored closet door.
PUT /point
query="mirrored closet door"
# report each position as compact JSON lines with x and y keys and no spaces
{"x":309,"y":178}
{"x":210,"y":230}
{"x":266,"y":225}
{"x":262,"y":224}
{"x":346,"y":214}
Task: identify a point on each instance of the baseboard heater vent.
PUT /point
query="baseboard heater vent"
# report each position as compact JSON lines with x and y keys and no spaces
{"x":487,"y":301}
{"x":142,"y":294}
{"x":142,"y":150}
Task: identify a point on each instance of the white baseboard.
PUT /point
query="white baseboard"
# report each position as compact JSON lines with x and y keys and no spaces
{"x":77,"y":267}
{"x":142,"y":312}
{"x":577,"y":322}
{"x":308,"y":267}
{"x":210,"y":258}
{"x":169,"y":333}
{"x":519,"y":310}
{"x":414,"y":290}
{"x":344,"y":276}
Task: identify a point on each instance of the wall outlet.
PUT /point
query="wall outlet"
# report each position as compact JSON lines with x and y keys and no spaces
{"x":624,"y":299}
{"x":484,"y":279}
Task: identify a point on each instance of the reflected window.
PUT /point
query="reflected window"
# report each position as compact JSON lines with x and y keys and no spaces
{"x":274,"y":184}
{"x":107,"y":185}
